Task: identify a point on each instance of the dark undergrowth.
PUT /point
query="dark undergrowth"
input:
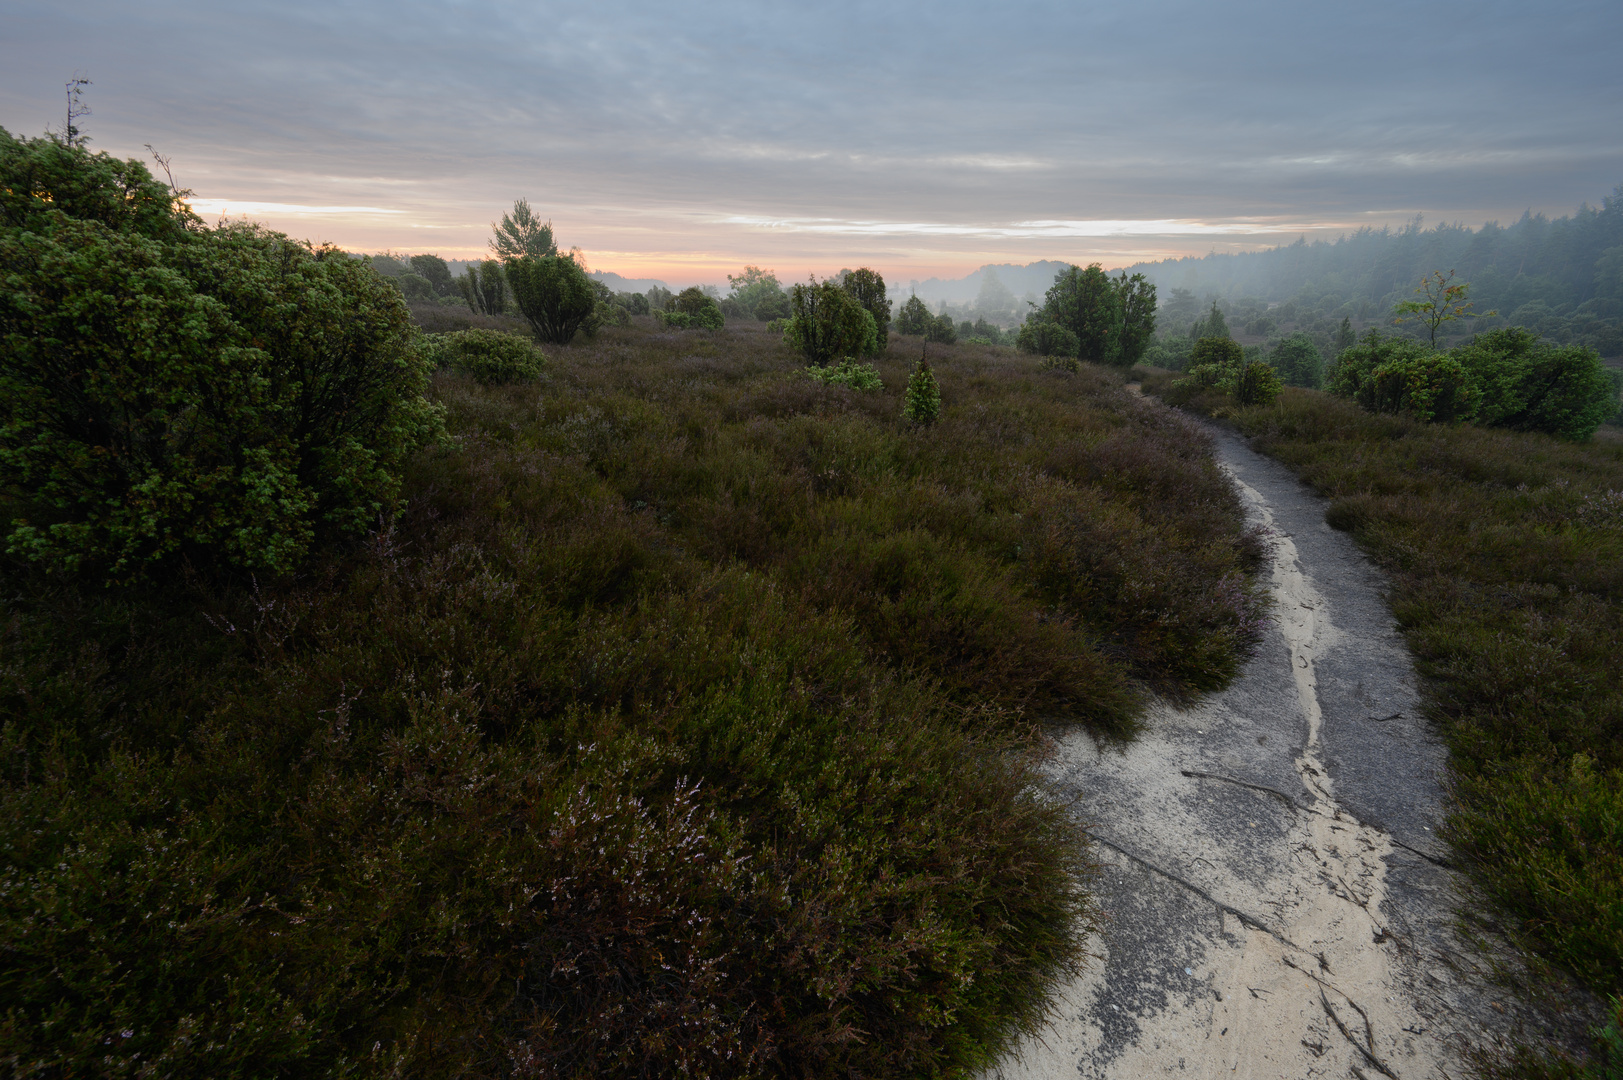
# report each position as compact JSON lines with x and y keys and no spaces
{"x":1506,"y":556}
{"x":683,"y":724}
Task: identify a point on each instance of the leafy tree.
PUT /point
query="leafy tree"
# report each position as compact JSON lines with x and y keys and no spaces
{"x":521,"y":234}
{"x":434,"y":270}
{"x":914,"y":319}
{"x":1136,"y":296}
{"x":1355,"y":371}
{"x":1444,"y":301}
{"x":941,"y":330}
{"x":1087,"y":303}
{"x":553,"y":294}
{"x":1298,"y":362}
{"x":484,"y":288}
{"x":828,"y":324}
{"x":226,"y":396}
{"x":867,"y":288}
{"x":756,"y":293}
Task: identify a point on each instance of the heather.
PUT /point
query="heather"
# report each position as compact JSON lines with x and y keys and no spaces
{"x":685,"y":719}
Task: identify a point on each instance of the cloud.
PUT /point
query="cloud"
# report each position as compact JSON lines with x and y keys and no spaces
{"x":930,"y":135}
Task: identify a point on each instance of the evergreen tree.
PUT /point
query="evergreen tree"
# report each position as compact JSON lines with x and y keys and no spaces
{"x":868,"y":289}
{"x":914,"y":318}
{"x":521,"y":233}
{"x":1087,"y":303}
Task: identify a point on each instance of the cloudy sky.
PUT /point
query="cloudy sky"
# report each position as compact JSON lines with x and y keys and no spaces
{"x":682,"y":141}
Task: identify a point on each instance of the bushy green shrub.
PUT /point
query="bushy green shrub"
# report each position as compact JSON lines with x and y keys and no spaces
{"x":1526,"y":384}
{"x":553,"y":293}
{"x":828,"y":322}
{"x":1046,"y":338}
{"x":491,"y":357}
{"x":1215,"y":360}
{"x":1426,"y":385}
{"x":693,"y":308}
{"x":633,"y":303}
{"x":848,"y":373}
{"x":914,"y":318}
{"x":941,"y":330}
{"x":922,"y":402}
{"x":227,"y":396}
{"x":1256,"y":383}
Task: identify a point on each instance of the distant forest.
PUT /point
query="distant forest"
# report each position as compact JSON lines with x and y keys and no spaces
{"x":1562,"y":279}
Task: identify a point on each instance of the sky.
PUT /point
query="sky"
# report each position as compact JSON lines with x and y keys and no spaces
{"x":682,"y":142}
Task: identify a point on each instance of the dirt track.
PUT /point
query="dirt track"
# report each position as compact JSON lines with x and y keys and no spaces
{"x":1278,"y":903}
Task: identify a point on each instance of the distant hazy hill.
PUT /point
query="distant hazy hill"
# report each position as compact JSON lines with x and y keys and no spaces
{"x":1034,"y":278}
{"x":627,"y":285}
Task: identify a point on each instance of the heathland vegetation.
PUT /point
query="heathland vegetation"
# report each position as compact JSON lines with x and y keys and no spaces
{"x":393,"y":699}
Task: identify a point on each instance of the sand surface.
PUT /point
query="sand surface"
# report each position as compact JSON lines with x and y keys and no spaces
{"x":1277,"y":902}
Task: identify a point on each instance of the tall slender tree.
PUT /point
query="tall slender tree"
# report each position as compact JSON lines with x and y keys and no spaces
{"x":1137,"y":296}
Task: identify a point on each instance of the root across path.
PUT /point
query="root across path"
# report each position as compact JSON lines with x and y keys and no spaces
{"x":1277,"y":901}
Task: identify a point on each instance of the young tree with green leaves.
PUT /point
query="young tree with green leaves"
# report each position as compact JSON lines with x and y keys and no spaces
{"x":1444,"y":301}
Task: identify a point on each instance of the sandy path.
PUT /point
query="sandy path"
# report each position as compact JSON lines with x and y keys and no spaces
{"x":1278,"y":904}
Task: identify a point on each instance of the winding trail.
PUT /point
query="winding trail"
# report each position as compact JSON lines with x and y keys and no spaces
{"x":1278,"y":904}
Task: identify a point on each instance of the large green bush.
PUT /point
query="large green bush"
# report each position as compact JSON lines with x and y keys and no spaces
{"x":554,"y":295}
{"x":227,"y":396}
{"x":828,"y":323}
{"x":1527,"y":384}
{"x":1505,"y":378}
